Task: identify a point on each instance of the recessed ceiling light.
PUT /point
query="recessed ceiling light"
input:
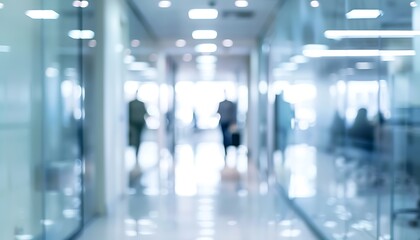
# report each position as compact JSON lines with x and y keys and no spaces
{"x":241,"y":3}
{"x":204,"y":34}
{"x":81,"y":34}
{"x":314,"y":4}
{"x":81,"y":4}
{"x":340,"y":34}
{"x":363,"y":14}
{"x":180,"y":43}
{"x":227,"y":43}
{"x":135,"y":43}
{"x":203,"y":14}
{"x":187,"y":57}
{"x":206,"y":48}
{"x":92,"y":43}
{"x":413,"y":4}
{"x":206,"y":59}
{"x":165,"y":4}
{"x":42,"y":14}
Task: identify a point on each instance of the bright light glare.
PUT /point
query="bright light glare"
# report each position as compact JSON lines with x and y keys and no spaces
{"x":81,"y":34}
{"x":364,"y":65}
{"x":180,"y":43}
{"x":301,"y":92}
{"x":206,"y":59}
{"x":363,"y":14}
{"x":187,"y":57}
{"x":1,"y":5}
{"x":24,"y":237}
{"x":290,"y":233}
{"x":203,"y":14}
{"x":357,"y":53}
{"x":413,"y":4}
{"x":340,"y":34}
{"x":314,"y":4}
{"x":81,"y":4}
{"x":42,"y":14}
{"x":241,"y":3}
{"x":227,"y":43}
{"x":298,"y":59}
{"x":165,"y":4}
{"x":206,"y":48}
{"x":4,"y":48}
{"x":135,"y":43}
{"x":204,"y":34}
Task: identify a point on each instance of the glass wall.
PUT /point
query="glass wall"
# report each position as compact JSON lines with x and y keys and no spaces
{"x":342,"y":80}
{"x":41,"y":113}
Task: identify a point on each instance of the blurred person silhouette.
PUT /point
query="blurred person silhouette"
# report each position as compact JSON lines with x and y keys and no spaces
{"x":337,"y":131}
{"x":227,"y":111}
{"x":283,"y":116}
{"x":361,"y":133}
{"x":136,"y":114}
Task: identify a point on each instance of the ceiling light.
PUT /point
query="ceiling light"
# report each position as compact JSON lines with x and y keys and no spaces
{"x":340,"y":34}
{"x":206,"y":48}
{"x":206,"y":59}
{"x":1,"y":5}
{"x":289,"y":66}
{"x":42,"y":14}
{"x":138,"y":66}
{"x":187,"y":57}
{"x":92,"y":43}
{"x":204,"y":34}
{"x":227,"y":43}
{"x":206,"y":66}
{"x":241,"y":3}
{"x":314,"y":4}
{"x":165,"y":4}
{"x":81,"y":4}
{"x":413,"y":4}
{"x":4,"y":48}
{"x":363,"y":14}
{"x":357,"y":53}
{"x":203,"y":14}
{"x":364,"y":65}
{"x":135,"y":43}
{"x":81,"y":34}
{"x":180,"y":43}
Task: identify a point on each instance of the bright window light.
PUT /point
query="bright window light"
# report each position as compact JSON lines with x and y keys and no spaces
{"x":1,"y":5}
{"x":227,"y":43}
{"x":204,"y":34}
{"x":180,"y":43}
{"x":42,"y":14}
{"x":206,"y":48}
{"x":206,"y":59}
{"x":363,"y":14}
{"x":340,"y":34}
{"x":165,"y":4}
{"x":241,"y":3}
{"x":203,"y":14}
{"x":81,"y":34}
{"x":357,"y":53}
{"x":206,"y":66}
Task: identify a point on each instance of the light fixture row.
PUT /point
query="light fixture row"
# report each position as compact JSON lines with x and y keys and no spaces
{"x":238,"y":3}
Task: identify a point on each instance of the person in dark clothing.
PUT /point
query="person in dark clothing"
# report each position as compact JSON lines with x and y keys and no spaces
{"x":227,"y":111}
{"x":361,"y":133}
{"x":338,"y":130}
{"x":136,"y":115}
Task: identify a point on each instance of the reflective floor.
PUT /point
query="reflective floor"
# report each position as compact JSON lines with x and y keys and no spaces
{"x":207,"y":202}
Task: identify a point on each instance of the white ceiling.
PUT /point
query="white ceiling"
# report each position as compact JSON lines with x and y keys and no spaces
{"x":170,"y":24}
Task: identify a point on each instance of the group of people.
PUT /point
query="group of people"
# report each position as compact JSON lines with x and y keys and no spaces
{"x":361,"y":134}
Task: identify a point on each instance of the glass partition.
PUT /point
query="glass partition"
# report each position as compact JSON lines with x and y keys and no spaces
{"x":341,"y":94}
